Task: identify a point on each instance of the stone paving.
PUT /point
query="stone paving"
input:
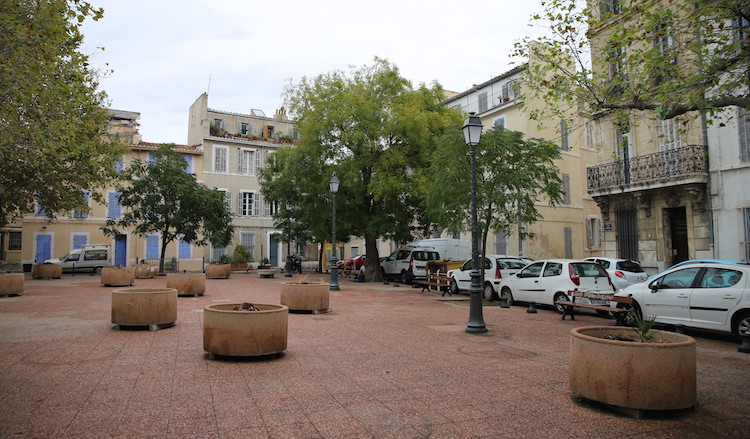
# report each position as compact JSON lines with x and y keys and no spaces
{"x":387,"y":362}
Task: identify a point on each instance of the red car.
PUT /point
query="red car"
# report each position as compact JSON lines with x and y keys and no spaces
{"x":355,"y":262}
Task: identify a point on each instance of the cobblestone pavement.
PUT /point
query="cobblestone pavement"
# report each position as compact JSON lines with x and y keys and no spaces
{"x":387,"y":362}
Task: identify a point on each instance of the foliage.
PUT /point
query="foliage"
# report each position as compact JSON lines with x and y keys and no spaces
{"x":513,"y":173}
{"x":641,"y":325}
{"x":161,"y":197}
{"x":52,"y":118}
{"x":671,"y":57}
{"x":376,"y":132}
{"x":241,"y":255}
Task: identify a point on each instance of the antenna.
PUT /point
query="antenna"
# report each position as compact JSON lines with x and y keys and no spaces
{"x":209,"y":84}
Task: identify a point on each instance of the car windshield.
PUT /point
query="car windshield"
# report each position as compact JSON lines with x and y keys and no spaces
{"x":631,"y":266}
{"x":591,"y":269}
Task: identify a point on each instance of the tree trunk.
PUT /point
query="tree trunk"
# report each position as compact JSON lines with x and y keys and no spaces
{"x":372,"y":260}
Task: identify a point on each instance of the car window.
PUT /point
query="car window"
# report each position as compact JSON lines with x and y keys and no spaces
{"x":603,"y":262}
{"x":425,"y":255}
{"x":533,"y":270}
{"x":588,"y":269}
{"x":677,"y":279}
{"x":630,"y":266}
{"x":403,"y":254}
{"x":466,"y":266}
{"x":720,"y":278}
{"x":516,"y":264}
{"x":553,"y":269}
{"x":73,"y":257}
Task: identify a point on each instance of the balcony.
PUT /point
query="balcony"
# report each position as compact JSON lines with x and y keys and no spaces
{"x":679,"y":166}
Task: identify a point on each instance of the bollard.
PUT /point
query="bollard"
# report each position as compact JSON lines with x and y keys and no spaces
{"x":361,"y":277}
{"x":532,"y":308}
{"x":744,"y":344}
{"x":504,"y":302}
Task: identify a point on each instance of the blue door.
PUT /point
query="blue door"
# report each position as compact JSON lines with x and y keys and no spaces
{"x":121,"y":250}
{"x":273,"y":251}
{"x":43,"y":245}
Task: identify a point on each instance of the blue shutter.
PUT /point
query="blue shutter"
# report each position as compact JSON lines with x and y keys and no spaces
{"x":152,"y":247}
{"x":113,"y":205}
{"x":79,"y":241}
{"x":184,"y":250}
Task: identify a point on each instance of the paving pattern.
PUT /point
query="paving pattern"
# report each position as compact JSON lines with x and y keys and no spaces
{"x":387,"y":362}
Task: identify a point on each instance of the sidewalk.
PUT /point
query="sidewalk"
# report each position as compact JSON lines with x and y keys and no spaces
{"x":387,"y":362}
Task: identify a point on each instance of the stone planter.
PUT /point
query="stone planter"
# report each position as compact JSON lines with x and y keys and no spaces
{"x":46,"y":271}
{"x":187,"y":284}
{"x":305,"y":296}
{"x":152,"y":307}
{"x":633,"y":376}
{"x":117,"y":277}
{"x":266,"y":273}
{"x":11,"y":284}
{"x":218,"y":271}
{"x":244,"y":333}
{"x":146,"y":271}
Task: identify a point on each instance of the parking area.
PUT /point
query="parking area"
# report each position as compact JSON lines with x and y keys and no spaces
{"x":387,"y":362}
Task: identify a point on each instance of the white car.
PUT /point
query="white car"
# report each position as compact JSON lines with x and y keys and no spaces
{"x":622,"y":272}
{"x":408,"y":263}
{"x":711,"y":296}
{"x":547,"y":281}
{"x":496,"y":267}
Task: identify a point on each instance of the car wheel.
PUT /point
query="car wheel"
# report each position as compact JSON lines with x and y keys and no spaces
{"x":404,"y":277}
{"x":601,"y":313}
{"x":742,"y":327}
{"x":507,"y":296}
{"x":489,"y":292}
{"x":97,"y":270}
{"x":560,"y":297}
{"x":454,"y":287}
{"x":628,"y":319}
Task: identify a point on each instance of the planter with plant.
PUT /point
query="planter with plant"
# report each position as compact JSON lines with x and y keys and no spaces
{"x":633,"y":369}
{"x":245,"y":329}
{"x":219,"y":269}
{"x":240,"y":258}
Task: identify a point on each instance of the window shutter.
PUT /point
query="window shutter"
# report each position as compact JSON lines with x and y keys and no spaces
{"x":256,"y":204}
{"x":241,"y":162}
{"x":256,"y":165}
{"x":239,"y":203}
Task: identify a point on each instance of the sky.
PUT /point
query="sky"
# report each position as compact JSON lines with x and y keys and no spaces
{"x":165,"y":53}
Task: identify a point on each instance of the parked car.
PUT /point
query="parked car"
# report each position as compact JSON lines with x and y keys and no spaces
{"x":704,"y":295}
{"x":408,"y":263}
{"x":354,"y":262}
{"x":90,"y":257}
{"x":622,"y":272}
{"x":695,"y":261}
{"x":496,"y":267}
{"x":547,"y":281}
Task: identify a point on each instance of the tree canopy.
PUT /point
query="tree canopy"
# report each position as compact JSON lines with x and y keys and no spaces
{"x":513,"y":173}
{"x":670,"y":57}
{"x":376,"y":132}
{"x":52,"y":118}
{"x":159,"y":196}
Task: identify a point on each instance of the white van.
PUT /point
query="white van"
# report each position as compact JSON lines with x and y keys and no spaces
{"x":92,"y":257}
{"x":408,"y":263}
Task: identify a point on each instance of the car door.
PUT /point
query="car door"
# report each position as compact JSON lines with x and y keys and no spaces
{"x":463,"y":275}
{"x":527,"y":283}
{"x":669,"y":299}
{"x":550,"y":282}
{"x":718,"y":292}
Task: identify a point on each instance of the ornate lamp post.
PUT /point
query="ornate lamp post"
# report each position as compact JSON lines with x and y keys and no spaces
{"x":334,"y":186}
{"x":472,"y":132}
{"x":288,"y":266}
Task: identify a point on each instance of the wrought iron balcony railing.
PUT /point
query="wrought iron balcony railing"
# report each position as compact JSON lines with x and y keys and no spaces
{"x":691,"y":160}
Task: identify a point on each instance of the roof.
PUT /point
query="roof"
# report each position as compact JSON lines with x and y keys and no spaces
{"x":122,"y":114}
{"x":498,"y":78}
{"x":188,"y":149}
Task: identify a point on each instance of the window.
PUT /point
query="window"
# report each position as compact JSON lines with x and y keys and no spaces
{"x":720,"y":278}
{"x":79,"y":241}
{"x":533,"y":270}
{"x":745,"y":246}
{"x":593,"y":232}
{"x":669,"y":135}
{"x":152,"y":247}
{"x":14,"y":241}
{"x":482,"y":102}
{"x":501,"y":243}
{"x":183,"y":249}
{"x":119,"y":163}
{"x":246,"y":128}
{"x":499,"y":122}
{"x":744,"y":133}
{"x":270,"y":208}
{"x":80,"y":213}
{"x":188,"y":163}
{"x":611,"y":7}
{"x":589,"y":127}
{"x":664,"y":43}
{"x":40,"y":210}
{"x":217,"y":253}
{"x":566,"y":189}
{"x":248,"y":204}
{"x":248,"y":240}
{"x":568,"y":237}
{"x":113,"y":205}
{"x":247,"y":162}
{"x":616,"y":61}
{"x":552,"y":269}
{"x":678,"y":279}
{"x":564,"y":136}
{"x":220,"y":159}
{"x":227,"y":198}
{"x":510,"y":91}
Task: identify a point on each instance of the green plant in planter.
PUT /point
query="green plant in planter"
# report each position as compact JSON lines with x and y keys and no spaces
{"x":642,"y":326}
{"x":241,"y":255}
{"x":224,"y":259}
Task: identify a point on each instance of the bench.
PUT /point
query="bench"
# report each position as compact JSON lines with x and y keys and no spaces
{"x":441,"y":282}
{"x":618,"y":313}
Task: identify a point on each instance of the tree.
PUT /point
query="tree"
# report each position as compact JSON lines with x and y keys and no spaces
{"x":52,"y":118}
{"x":513,"y":173}
{"x":376,"y":132}
{"x":159,"y":196}
{"x":670,"y":57}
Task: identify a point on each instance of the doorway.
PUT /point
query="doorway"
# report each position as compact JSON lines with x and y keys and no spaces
{"x":678,"y":234}
{"x":121,"y":250}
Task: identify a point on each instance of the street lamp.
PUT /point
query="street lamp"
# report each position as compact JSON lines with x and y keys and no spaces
{"x":288,"y":266}
{"x":334,"y":186}
{"x":472,"y":132}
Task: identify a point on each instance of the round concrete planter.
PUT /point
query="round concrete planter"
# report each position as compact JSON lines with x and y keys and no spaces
{"x":187,"y":284}
{"x":117,"y":277}
{"x":244,"y":333}
{"x":146,"y":271}
{"x":11,"y":284}
{"x":218,"y":271}
{"x":267,"y":273}
{"x":630,"y":375}
{"x":152,"y":307}
{"x":305,"y":296}
{"x":46,"y":271}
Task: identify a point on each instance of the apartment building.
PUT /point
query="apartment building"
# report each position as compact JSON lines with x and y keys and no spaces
{"x":570,"y":230}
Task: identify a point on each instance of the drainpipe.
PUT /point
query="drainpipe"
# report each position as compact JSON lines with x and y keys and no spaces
{"x":709,"y":206}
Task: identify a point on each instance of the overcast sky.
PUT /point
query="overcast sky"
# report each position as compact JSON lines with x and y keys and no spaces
{"x":165,"y":53}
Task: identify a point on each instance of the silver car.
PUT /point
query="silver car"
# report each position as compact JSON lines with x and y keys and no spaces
{"x":622,"y":272}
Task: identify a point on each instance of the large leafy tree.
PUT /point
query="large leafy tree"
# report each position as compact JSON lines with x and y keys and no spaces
{"x":159,"y":196}
{"x":376,"y":132}
{"x":52,"y":118}
{"x":669,"y":57}
{"x":513,"y":174}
